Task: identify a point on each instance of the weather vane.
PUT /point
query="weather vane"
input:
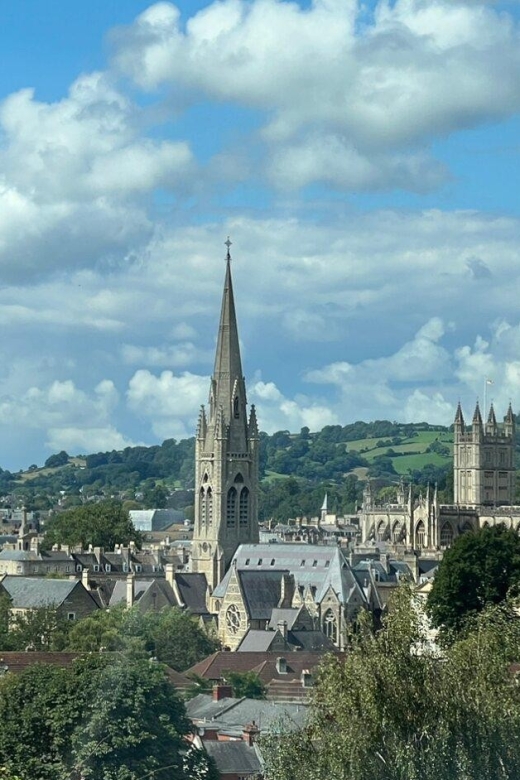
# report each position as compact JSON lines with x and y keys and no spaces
{"x":228,"y":244}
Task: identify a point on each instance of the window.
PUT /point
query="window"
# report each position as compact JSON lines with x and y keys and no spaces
{"x":259,"y":561}
{"x":71,"y":616}
{"x":96,"y":567}
{"x":315,"y":563}
{"x":272,"y":561}
{"x":247,"y":561}
{"x":209,"y":507}
{"x":233,"y":618}
{"x":231,"y":508}
{"x":330,"y":626}
{"x":236,"y":408}
{"x":244,"y":507}
{"x":446,"y":535}
{"x":202,"y":499}
{"x":108,"y":567}
{"x":420,"y":534}
{"x":79,"y":567}
{"x":327,"y":564}
{"x":303,"y":562}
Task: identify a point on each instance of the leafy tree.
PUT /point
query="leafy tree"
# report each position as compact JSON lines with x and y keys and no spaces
{"x":171,"y":635}
{"x":479,"y":569}
{"x":246,"y":684}
{"x":389,"y":712}
{"x":103,"y":525}
{"x":97,"y":719}
{"x":60,"y":459}
{"x":40,"y":629}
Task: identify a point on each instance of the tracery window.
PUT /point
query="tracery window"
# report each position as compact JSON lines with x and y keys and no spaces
{"x":233,"y":618}
{"x":231,"y":508}
{"x":420,"y":534}
{"x":446,"y":535}
{"x":330,"y":626}
{"x":243,"y":509}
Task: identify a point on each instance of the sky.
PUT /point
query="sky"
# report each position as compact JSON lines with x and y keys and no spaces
{"x":364,"y":159}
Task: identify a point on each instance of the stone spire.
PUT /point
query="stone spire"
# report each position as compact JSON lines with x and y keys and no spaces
{"x":459,"y":418}
{"x":476,"y":423}
{"x":509,"y":422}
{"x":491,"y":425}
{"x":226,"y":455}
{"x":227,"y":373}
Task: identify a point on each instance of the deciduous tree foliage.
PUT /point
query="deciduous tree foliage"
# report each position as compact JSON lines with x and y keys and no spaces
{"x":102,"y":525}
{"x":170,"y":635}
{"x":395,"y":710}
{"x":99,"y":720}
{"x":480,"y":568}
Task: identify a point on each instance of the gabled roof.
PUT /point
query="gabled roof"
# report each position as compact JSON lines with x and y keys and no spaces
{"x":214,"y":666}
{"x":192,"y":590}
{"x":317,"y":566}
{"x":257,"y":640}
{"x":35,"y":592}
{"x":262,"y":591}
{"x":234,"y":757}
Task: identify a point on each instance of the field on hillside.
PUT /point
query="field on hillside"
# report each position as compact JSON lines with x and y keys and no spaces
{"x":410,"y":452}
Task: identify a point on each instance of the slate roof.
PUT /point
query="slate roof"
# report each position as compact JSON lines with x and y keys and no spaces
{"x":192,"y":589}
{"x":311,"y":640}
{"x":142,"y":592}
{"x":155,"y":519}
{"x":230,"y":715}
{"x":34,"y":592}
{"x":316,"y":566}
{"x":234,"y":757}
{"x":289,"y":615}
{"x":257,"y":640}
{"x":262,"y":592}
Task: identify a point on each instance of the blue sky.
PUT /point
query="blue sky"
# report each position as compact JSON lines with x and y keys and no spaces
{"x":364,"y":159}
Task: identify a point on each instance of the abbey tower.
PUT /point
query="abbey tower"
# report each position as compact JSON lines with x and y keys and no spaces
{"x":226,"y":456}
{"x":484,"y":460}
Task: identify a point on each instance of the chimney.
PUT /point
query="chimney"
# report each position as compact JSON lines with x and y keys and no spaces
{"x":286,"y":591}
{"x":85,"y":574}
{"x":282,"y":628}
{"x":169,"y":571}
{"x":250,"y":733}
{"x":130,"y":589}
{"x":222,"y":692}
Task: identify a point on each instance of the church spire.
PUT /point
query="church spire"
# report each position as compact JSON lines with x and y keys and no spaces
{"x":227,"y":374}
{"x":491,"y":425}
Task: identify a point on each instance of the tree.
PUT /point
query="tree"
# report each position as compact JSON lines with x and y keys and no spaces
{"x":102,"y":525}
{"x":171,"y":635}
{"x":480,"y":568}
{"x":246,"y":684}
{"x":60,"y":459}
{"x":100,"y":718}
{"x":393,"y":710}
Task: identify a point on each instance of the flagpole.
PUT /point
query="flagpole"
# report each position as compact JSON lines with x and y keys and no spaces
{"x":485,"y":399}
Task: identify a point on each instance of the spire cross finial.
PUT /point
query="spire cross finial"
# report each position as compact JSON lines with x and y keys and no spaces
{"x":228,"y":243}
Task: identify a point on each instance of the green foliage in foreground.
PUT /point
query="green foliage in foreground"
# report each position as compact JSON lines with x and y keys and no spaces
{"x":480,"y":569}
{"x":389,"y":712}
{"x":102,"y":525}
{"x":98,"y":720}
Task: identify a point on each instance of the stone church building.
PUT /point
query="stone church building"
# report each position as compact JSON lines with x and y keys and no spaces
{"x":484,"y":490}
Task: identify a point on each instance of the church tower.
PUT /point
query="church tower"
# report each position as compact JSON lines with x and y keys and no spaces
{"x":483,"y":460}
{"x":226,"y":456}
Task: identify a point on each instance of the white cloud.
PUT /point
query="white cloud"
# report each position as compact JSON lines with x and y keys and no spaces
{"x":175,"y":355}
{"x":347,"y":98}
{"x":171,"y":403}
{"x":276,"y":412}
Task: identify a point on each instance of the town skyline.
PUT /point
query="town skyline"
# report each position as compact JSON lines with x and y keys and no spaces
{"x":362,"y":160}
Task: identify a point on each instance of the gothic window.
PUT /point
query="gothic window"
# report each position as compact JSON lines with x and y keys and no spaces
{"x":420,"y":534}
{"x":209,"y":507}
{"x":236,"y":410}
{"x":243,"y":509}
{"x":396,"y":533}
{"x":446,"y":535}
{"x":202,"y":505}
{"x":381,"y":529}
{"x":466,"y":527}
{"x":233,"y":618}
{"x":330,"y":626}
{"x":205,"y":478}
{"x":231,"y":508}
